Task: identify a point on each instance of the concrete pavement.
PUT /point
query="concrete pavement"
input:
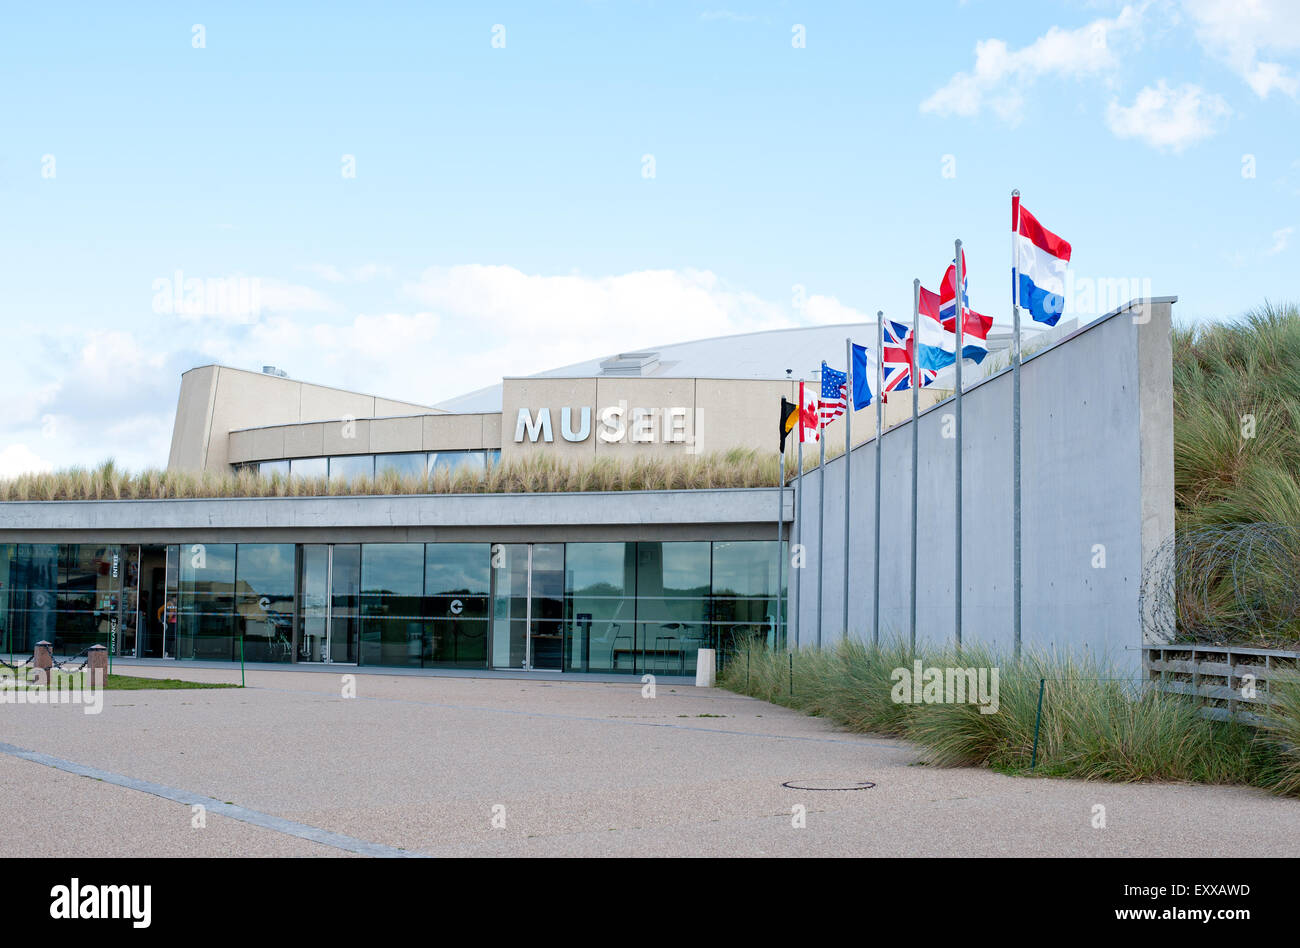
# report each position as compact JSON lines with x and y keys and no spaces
{"x":568,"y":767}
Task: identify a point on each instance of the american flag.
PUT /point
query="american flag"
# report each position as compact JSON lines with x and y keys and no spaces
{"x":835,"y":397}
{"x":898,"y":358}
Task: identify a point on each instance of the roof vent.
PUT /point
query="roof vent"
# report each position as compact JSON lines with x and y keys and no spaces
{"x":631,"y":363}
{"x":272,"y":370}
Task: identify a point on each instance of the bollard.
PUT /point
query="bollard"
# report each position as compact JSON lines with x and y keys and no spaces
{"x":704,"y":668}
{"x":43,"y":662}
{"x":97,"y":663}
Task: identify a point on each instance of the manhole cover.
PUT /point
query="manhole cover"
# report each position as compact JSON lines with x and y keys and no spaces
{"x":823,"y":785}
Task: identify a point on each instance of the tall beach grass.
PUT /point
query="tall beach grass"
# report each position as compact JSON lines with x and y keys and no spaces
{"x":1095,"y":724}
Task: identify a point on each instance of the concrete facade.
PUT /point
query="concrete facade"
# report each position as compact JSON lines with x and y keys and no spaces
{"x":216,"y":400}
{"x":736,"y":514}
{"x":1097,"y":488}
{"x":230,"y":417}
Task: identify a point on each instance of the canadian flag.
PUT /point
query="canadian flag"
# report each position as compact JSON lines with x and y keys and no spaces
{"x":809,"y":416}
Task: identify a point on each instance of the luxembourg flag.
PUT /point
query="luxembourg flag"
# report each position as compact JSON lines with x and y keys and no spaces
{"x":935,"y":346}
{"x":1038,"y":276}
{"x":974,"y":326}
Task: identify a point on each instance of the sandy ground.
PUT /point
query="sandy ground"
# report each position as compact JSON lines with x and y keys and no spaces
{"x":576,"y":768}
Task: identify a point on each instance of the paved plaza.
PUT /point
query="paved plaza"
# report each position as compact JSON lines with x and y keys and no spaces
{"x":423,"y":766}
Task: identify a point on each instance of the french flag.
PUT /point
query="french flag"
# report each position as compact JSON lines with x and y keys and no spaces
{"x":1038,"y":278}
{"x":974,"y":326}
{"x":935,"y":346}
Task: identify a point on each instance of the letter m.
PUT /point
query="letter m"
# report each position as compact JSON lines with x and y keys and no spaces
{"x":541,"y":426}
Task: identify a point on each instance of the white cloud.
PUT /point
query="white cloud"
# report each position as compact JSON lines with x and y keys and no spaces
{"x":1001,"y":74}
{"x":1281,"y":238}
{"x":1168,"y":118}
{"x":1240,"y":32}
{"x":18,"y":459}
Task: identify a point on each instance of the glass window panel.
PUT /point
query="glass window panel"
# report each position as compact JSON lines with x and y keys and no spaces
{"x":672,"y":610}
{"x":352,"y":466}
{"x":264,"y":588}
{"x":309,"y":467}
{"x":457,"y":588}
{"x":455,"y":461}
{"x":392,"y":590}
{"x":600,"y":606}
{"x":403,"y":465}
{"x":206,"y":602}
{"x":273,"y":469}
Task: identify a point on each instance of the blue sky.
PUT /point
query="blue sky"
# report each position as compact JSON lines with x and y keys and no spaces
{"x":502,"y":219}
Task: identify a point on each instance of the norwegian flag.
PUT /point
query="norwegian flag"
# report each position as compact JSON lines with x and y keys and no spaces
{"x":899,"y":357}
{"x":974,"y":326}
{"x":835,"y":396}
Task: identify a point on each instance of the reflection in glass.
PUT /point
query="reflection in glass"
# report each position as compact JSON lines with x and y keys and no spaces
{"x":600,"y":606}
{"x":309,"y":467}
{"x":392,"y":589}
{"x":672,"y":583}
{"x":457,"y":587}
{"x":349,"y":467}
{"x":264,"y":579}
{"x":206,"y":602}
{"x":403,"y":465}
{"x":745,"y":599}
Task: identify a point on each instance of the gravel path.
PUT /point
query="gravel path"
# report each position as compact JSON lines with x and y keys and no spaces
{"x":580,"y":768}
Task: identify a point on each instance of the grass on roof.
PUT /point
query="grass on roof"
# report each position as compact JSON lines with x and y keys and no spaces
{"x":543,"y":473}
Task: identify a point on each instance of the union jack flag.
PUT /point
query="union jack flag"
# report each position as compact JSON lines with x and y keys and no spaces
{"x":835,"y":396}
{"x":899,"y":357}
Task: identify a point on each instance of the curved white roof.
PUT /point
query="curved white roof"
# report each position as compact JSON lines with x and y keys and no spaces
{"x":753,"y":355}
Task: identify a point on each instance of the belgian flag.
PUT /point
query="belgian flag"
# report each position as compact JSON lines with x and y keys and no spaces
{"x":789,"y":419}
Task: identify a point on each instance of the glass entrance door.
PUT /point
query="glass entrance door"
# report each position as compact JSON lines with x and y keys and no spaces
{"x":329,"y":593}
{"x":528,"y":606}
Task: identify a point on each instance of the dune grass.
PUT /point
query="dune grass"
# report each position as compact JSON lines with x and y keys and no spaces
{"x":542,"y":473}
{"x":1094,"y":726}
{"x":1237,"y":420}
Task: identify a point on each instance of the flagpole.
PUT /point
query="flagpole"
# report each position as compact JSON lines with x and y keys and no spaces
{"x":1015,"y":419}
{"x":780,"y":555}
{"x":916,"y":395}
{"x":880,"y":402}
{"x":848,"y":470}
{"x":798,"y":528}
{"x":821,"y":509}
{"x":960,"y":319}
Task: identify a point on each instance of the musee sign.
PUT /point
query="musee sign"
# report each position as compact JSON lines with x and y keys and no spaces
{"x":616,"y":424}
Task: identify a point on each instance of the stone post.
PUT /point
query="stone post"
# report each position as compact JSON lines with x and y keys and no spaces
{"x":43,"y":662}
{"x":98,"y":665}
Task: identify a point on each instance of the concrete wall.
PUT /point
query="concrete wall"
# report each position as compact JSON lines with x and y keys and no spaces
{"x":735,"y":514}
{"x":1097,"y":471}
{"x":216,"y":400}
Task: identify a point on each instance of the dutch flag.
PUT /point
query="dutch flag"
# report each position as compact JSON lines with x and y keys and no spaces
{"x":1038,"y":277}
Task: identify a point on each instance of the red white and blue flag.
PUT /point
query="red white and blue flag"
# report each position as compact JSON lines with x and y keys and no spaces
{"x":834,"y":397}
{"x":899,"y":357}
{"x":1038,"y":273}
{"x":934,"y":346}
{"x":974,"y":326}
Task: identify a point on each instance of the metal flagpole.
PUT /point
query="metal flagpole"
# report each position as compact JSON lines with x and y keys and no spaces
{"x":961,"y":315}
{"x":1015,"y":419}
{"x":880,"y":401}
{"x":780,"y":554}
{"x":821,"y":512}
{"x":916,"y":395}
{"x":798,"y":527}
{"x":848,"y":471}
